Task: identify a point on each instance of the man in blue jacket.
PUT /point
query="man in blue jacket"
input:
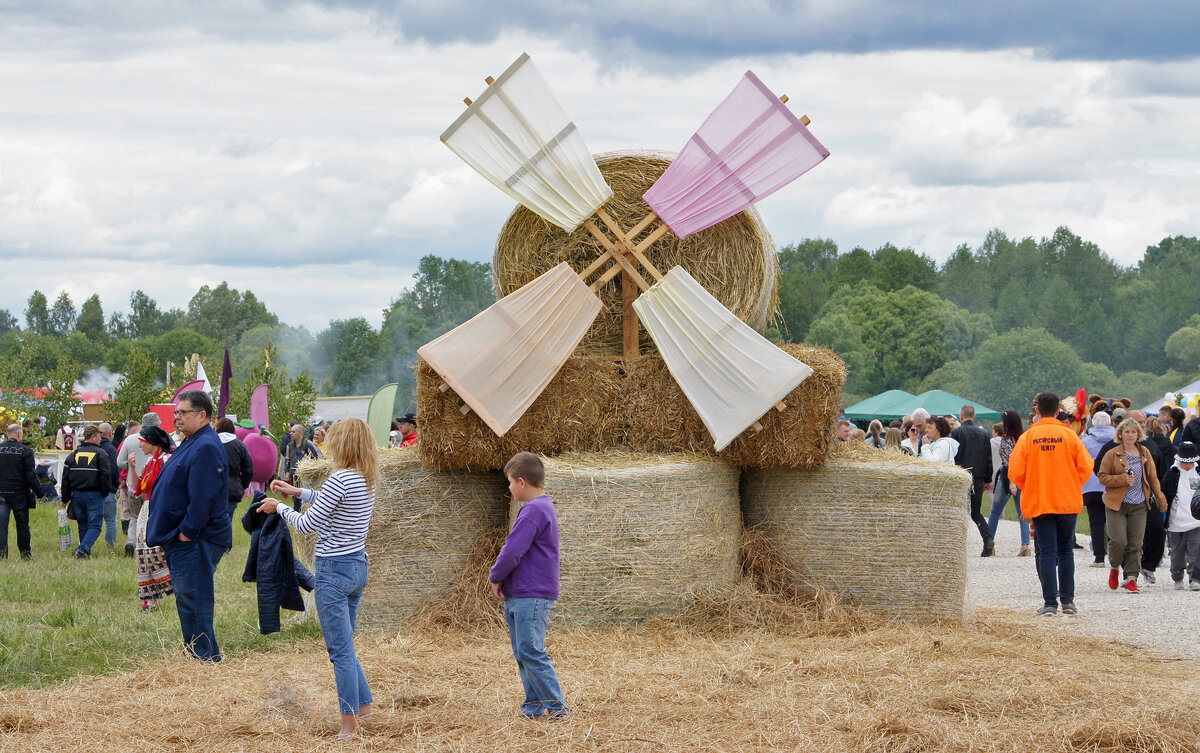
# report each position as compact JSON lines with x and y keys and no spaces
{"x":189,"y":519}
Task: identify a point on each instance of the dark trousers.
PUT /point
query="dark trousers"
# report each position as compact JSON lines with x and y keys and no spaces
{"x":976,"y":514}
{"x":192,"y":565}
{"x":21,"y":520}
{"x":1155,"y":539}
{"x":1056,"y":557}
{"x":1093,"y":502}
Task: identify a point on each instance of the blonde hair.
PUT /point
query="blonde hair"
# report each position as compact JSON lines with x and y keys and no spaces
{"x":1130,"y":422}
{"x":350,"y":444}
{"x":892,"y":438}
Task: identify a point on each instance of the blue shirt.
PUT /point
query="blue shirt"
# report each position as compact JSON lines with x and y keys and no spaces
{"x":528,"y":564}
{"x":191,"y":494}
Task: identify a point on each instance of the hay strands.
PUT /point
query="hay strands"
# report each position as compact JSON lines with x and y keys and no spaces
{"x":500,"y":360}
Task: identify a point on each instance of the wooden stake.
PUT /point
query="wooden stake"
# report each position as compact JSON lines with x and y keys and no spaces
{"x":629,"y":317}
{"x":467,"y":101}
{"x":489,"y":80}
{"x":782,"y":97}
{"x":756,"y":426}
{"x":781,"y":406}
{"x":804,"y":120}
{"x":443,"y":387}
{"x":465,"y":410}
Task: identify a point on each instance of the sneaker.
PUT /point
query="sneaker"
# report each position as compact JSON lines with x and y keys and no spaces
{"x":1149,"y":576}
{"x":26,"y":555}
{"x":79,"y":554}
{"x":1069,"y":608}
{"x":989,"y":548}
{"x":1114,"y":578}
{"x":129,"y":550}
{"x":1179,"y":586}
{"x":558,"y":714}
{"x":1047,"y":611}
{"x":1097,"y":563}
{"x":1131,"y":586}
{"x":1194,"y":584}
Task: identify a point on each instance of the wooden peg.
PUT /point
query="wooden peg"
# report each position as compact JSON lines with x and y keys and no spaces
{"x":781,"y":406}
{"x":757,"y":426}
{"x":465,"y":410}
{"x":467,"y":101}
{"x":783,"y":98}
{"x":443,"y":387}
{"x":489,"y":80}
{"x":804,"y":120}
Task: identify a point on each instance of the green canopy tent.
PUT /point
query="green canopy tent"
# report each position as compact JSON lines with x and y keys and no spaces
{"x":869,"y":408}
{"x":938,"y":403}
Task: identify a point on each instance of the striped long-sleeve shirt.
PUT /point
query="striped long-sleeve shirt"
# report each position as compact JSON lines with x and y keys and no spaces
{"x":340,"y":514}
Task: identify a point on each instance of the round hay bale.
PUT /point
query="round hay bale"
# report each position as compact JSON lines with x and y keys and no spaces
{"x":641,"y":536}
{"x":734,"y":260}
{"x":887,"y":531}
{"x":423,"y":527}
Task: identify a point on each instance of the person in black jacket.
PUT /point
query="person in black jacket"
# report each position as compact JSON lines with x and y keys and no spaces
{"x":19,"y":489}
{"x":273,"y":566}
{"x":975,"y":454}
{"x":86,"y":481}
{"x":241,"y":467}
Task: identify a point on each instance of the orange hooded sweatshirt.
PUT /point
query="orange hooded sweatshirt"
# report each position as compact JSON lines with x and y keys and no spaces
{"x":1050,"y":465}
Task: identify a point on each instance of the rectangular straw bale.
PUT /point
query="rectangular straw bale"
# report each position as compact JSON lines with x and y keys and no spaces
{"x":576,"y":413}
{"x":660,"y":418}
{"x":887,"y":531}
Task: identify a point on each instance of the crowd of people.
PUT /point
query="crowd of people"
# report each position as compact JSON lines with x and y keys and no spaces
{"x":1136,"y":476}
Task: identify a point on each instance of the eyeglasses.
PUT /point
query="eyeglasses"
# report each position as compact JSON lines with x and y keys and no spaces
{"x":912,"y":430}
{"x":182,"y":412}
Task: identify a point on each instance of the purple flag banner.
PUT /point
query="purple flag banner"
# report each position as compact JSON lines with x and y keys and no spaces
{"x":226,"y":376}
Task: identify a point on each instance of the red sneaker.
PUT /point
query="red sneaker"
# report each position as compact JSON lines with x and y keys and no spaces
{"x":1114,"y":578}
{"x":1131,"y":586}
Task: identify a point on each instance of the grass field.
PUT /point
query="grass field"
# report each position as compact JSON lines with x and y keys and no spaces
{"x":61,"y":617}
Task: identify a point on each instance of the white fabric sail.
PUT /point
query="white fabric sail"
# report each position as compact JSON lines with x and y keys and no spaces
{"x":500,"y":361}
{"x":731,"y":374}
{"x":519,"y":137}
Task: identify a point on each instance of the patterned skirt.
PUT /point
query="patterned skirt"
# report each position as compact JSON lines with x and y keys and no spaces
{"x":153,"y":577}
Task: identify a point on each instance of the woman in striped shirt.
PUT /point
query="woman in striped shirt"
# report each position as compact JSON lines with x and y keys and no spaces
{"x":340,"y":515}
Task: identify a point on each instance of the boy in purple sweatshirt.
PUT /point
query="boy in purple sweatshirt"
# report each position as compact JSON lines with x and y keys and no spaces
{"x":525,"y":578}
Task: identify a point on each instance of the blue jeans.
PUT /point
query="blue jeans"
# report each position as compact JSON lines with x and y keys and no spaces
{"x":192,"y":565}
{"x":527,"y":619}
{"x":999,"y":502}
{"x":110,"y":520}
{"x":340,"y":584}
{"x":1056,"y":557}
{"x":89,"y":514}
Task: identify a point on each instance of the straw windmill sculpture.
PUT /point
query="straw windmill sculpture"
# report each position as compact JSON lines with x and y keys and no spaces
{"x":518,"y":137}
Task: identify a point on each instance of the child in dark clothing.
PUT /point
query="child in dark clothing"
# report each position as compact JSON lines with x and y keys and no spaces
{"x":525,"y":578}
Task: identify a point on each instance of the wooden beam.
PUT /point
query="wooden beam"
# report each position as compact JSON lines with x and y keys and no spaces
{"x":645,"y":223}
{"x":612,"y":272}
{"x":629,"y":317}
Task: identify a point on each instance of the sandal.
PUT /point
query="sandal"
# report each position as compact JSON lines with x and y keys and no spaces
{"x":347,"y":737}
{"x":1024,"y":551}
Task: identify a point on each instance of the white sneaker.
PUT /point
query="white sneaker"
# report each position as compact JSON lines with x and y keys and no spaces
{"x":1179,"y":586}
{"x":1194,"y":584}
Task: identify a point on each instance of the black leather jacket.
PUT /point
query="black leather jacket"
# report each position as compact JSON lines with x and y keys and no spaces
{"x":19,"y":484}
{"x":974,"y":450}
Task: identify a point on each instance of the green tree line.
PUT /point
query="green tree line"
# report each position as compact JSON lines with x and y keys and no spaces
{"x":996,"y":323}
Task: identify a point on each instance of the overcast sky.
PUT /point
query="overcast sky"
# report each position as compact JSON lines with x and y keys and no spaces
{"x":292,"y":148}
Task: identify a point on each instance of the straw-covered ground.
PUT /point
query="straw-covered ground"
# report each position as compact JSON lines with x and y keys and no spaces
{"x":772,"y":667}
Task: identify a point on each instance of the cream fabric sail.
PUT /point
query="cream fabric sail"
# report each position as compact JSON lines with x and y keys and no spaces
{"x":499,"y":361}
{"x":519,"y":137}
{"x":731,"y":374}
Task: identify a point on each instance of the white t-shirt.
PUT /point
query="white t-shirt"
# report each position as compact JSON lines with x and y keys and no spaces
{"x":1181,"y":507}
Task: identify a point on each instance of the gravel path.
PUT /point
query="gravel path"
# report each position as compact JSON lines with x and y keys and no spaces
{"x":1159,"y":619}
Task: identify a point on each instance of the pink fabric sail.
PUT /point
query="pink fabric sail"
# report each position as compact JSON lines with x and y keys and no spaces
{"x":259,"y":411}
{"x":749,"y":147}
{"x":193,"y":385}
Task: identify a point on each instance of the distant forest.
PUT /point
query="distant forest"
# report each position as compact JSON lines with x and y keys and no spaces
{"x":996,"y":323}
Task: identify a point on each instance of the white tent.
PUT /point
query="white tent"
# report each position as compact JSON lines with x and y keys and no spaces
{"x":1153,"y":407}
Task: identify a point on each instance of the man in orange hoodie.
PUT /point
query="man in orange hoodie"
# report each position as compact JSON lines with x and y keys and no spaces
{"x":1049,"y":464}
